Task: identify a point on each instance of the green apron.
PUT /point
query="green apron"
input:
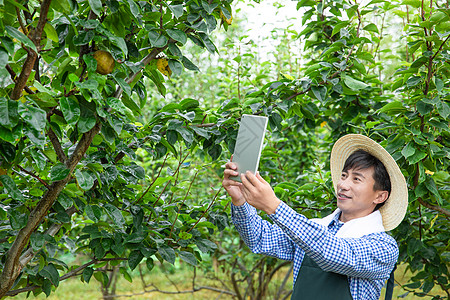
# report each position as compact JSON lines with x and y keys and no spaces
{"x":313,"y":283}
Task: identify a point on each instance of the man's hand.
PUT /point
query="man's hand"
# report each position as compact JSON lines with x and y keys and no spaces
{"x":232,"y":187}
{"x":259,"y":193}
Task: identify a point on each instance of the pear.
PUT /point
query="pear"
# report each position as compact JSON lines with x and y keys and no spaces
{"x":105,"y":62}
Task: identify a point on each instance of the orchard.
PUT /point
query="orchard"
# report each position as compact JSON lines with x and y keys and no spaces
{"x":117,"y":116}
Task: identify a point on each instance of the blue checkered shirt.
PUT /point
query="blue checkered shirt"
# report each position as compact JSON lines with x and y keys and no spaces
{"x":367,"y":261}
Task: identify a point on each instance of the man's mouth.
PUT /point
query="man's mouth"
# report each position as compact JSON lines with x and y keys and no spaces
{"x":343,"y":196}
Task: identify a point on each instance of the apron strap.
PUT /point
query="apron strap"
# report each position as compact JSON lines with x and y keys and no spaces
{"x":390,"y":285}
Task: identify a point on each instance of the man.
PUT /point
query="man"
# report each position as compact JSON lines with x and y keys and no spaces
{"x":346,"y":255}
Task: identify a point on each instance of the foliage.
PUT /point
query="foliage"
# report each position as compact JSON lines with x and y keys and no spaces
{"x":73,"y":152}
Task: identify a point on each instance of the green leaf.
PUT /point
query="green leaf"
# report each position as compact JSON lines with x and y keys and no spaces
{"x":102,"y":277}
{"x":439,"y":84}
{"x":414,"y":246}
{"x":16,"y":34}
{"x":184,"y":235}
{"x":39,"y":158}
{"x":188,"y":257}
{"x":51,"y":33}
{"x":89,"y":84}
{"x":177,"y":10}
{"x":187,"y":135}
{"x":175,"y":50}
{"x":63,"y":6}
{"x":37,"y":241}
{"x":34,"y":116}
{"x":9,"y":116}
{"x":134,"y":8}
{"x":208,"y":43}
{"x":115,"y":214}
{"x":416,"y":157}
{"x":47,"y":287}
{"x":394,"y":107}
{"x":150,"y":264}
{"x":408,"y":150}
{"x":96,"y":6}
{"x":209,"y":7}
{"x":51,"y":273}
{"x":87,"y":274}
{"x":134,"y":259}
{"x":125,"y":274}
{"x":413,"y":81}
{"x":87,"y":120}
{"x":424,"y":108}
{"x":124,"y":85}
{"x":371,"y":27}
{"x":117,"y":105}
{"x":59,"y":172}
{"x":70,"y":109}
{"x":120,"y":43}
{"x":338,"y":27}
{"x":354,"y":84}
{"x":175,"y":66}
{"x":4,"y":58}
{"x":85,"y":179}
{"x":413,"y":3}
{"x":93,"y":212}
{"x":177,"y":35}
{"x":157,"y":40}
{"x":17,"y":219}
{"x":443,"y":109}
{"x":167,"y":253}
{"x":320,"y":92}
{"x":11,"y":187}
{"x":431,"y":186}
{"x":205,"y":245}
{"x":188,"y":64}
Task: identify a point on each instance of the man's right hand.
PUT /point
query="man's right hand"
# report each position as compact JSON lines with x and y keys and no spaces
{"x":232,"y":187}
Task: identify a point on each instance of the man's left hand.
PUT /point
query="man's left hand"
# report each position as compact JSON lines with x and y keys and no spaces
{"x":259,"y":193}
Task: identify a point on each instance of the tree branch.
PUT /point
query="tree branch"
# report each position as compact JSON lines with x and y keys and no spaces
{"x":14,"y":79}
{"x":35,"y":176}
{"x":212,"y":202}
{"x":434,"y":207}
{"x":57,"y":145}
{"x":32,"y":55}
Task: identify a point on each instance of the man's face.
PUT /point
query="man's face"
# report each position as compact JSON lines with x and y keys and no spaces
{"x":355,"y":194}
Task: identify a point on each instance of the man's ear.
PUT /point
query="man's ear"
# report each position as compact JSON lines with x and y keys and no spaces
{"x":381,"y":197}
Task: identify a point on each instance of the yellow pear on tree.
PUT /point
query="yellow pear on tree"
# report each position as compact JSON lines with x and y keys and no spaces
{"x":163,"y":66}
{"x":105,"y":62}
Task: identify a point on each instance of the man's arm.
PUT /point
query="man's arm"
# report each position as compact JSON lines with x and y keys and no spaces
{"x":259,"y":235}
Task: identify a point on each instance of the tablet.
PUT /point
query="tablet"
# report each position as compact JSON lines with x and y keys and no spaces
{"x":249,"y":143}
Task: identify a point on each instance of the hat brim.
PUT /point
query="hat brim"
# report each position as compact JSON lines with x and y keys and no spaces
{"x":394,"y":210}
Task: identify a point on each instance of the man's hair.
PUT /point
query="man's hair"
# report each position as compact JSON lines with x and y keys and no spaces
{"x":361,"y":160}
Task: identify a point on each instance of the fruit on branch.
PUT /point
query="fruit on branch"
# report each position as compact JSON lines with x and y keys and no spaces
{"x":224,"y":19}
{"x":105,"y":62}
{"x":163,"y":66}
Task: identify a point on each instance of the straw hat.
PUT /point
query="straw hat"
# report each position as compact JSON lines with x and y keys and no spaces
{"x":394,"y":210}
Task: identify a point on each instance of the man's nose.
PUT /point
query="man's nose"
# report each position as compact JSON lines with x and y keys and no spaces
{"x":343,"y":184}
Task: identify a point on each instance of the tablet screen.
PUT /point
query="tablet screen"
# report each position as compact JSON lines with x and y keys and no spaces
{"x":249,"y":144}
